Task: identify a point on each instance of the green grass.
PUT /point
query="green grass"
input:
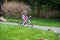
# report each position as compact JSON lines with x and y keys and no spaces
{"x":16,"y":32}
{"x":41,"y":22}
{"x":46,"y":22}
{"x":14,"y":20}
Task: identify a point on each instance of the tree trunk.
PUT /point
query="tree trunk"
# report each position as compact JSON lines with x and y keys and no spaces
{"x":38,"y":11}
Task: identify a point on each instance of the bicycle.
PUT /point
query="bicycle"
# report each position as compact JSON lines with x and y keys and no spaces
{"x":27,"y":23}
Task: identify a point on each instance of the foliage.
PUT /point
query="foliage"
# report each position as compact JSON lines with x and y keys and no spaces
{"x":36,"y":5}
{"x":56,"y":1}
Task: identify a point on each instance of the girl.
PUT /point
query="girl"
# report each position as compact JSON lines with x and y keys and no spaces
{"x":24,"y":19}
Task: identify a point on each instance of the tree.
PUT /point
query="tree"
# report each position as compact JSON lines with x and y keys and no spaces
{"x":56,"y":1}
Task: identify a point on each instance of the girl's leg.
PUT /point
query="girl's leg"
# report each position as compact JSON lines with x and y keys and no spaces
{"x":23,"y":23}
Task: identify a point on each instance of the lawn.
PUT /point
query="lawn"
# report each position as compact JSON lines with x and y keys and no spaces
{"x":46,"y":22}
{"x":16,"y":32}
{"x":41,"y":22}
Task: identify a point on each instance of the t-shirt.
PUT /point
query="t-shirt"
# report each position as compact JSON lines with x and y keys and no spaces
{"x":23,"y":16}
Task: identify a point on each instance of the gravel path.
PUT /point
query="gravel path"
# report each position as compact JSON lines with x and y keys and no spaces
{"x":56,"y":29}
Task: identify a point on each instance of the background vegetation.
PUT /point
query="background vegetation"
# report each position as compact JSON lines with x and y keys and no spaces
{"x":44,"y":12}
{"x":42,"y":8}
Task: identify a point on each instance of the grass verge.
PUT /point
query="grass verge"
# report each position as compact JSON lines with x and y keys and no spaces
{"x":41,"y":22}
{"x":16,"y":32}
